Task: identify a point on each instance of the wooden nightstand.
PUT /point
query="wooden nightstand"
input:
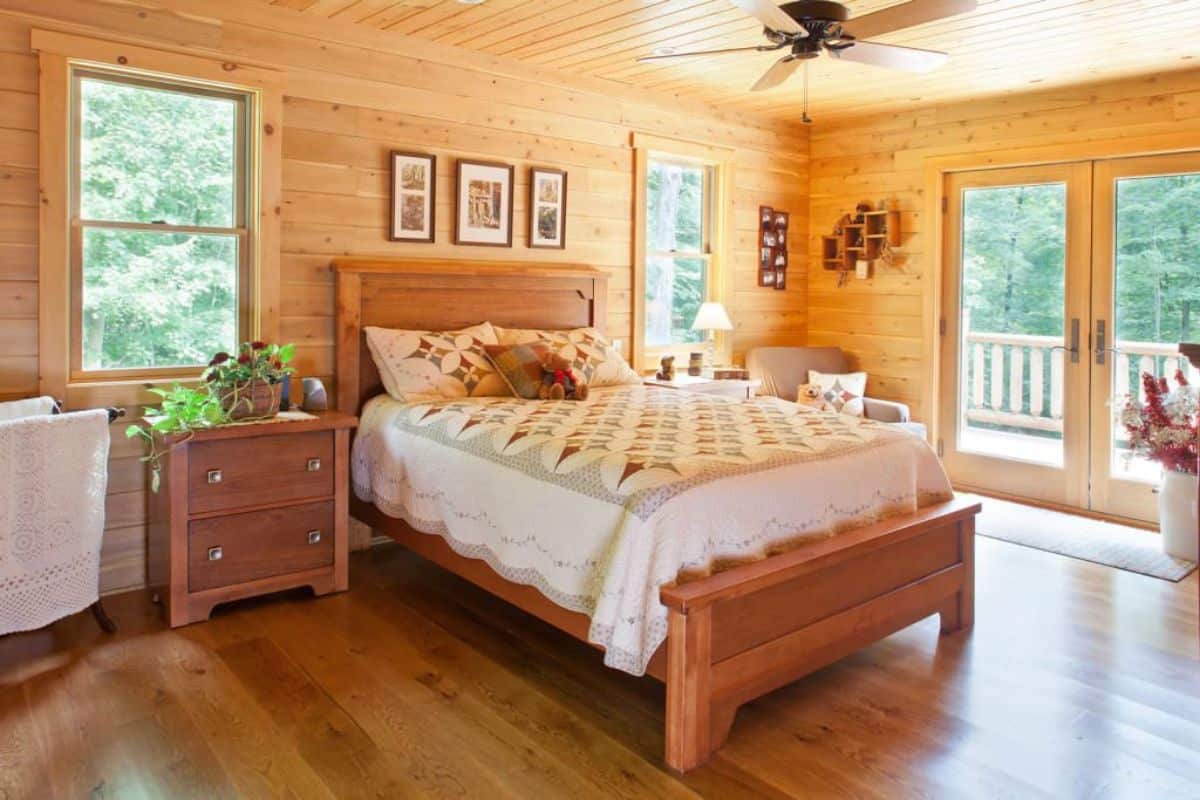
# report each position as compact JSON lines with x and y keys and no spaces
{"x":244,"y":510}
{"x":725,"y":388}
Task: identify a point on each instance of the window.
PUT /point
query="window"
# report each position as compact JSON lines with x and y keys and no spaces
{"x":160,"y":236}
{"x":678,"y":259}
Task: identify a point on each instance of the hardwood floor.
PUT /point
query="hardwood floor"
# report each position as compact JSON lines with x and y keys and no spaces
{"x":1078,"y":681}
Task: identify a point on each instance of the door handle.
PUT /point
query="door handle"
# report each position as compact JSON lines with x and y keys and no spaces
{"x":1102,"y":342}
{"x":1074,"y":348}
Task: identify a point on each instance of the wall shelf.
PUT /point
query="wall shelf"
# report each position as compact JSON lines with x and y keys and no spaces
{"x":865,"y":237}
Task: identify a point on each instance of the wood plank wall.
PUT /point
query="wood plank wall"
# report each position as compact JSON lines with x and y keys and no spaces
{"x":354,"y":95}
{"x":879,"y":321}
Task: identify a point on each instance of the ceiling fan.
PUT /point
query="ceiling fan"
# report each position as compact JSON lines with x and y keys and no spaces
{"x":806,"y":27}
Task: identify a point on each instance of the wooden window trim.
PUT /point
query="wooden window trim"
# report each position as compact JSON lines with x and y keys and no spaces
{"x":60,"y":56}
{"x":718,"y":237}
{"x":241,"y":228}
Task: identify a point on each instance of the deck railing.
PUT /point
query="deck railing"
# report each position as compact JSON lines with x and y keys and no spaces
{"x":1016,"y":381}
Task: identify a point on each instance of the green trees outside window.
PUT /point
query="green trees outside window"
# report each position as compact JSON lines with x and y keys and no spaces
{"x":677,"y":257}
{"x":161,"y":199}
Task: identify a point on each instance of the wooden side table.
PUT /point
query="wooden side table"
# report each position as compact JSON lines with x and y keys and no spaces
{"x":741,"y":389}
{"x":245,"y":510}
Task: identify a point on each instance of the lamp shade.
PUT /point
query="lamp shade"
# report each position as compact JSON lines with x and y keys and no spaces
{"x":712,"y":317}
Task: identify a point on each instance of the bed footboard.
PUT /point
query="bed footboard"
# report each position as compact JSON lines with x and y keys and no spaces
{"x":741,"y":633}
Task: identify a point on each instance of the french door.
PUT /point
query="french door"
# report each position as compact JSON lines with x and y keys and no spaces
{"x":1063,"y":284}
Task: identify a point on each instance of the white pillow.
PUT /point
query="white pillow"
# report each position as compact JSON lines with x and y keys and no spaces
{"x":442,"y":363}
{"x":590,"y":352}
{"x":844,"y":393}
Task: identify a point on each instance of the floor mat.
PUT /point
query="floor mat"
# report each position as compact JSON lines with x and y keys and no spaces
{"x":1108,"y":543}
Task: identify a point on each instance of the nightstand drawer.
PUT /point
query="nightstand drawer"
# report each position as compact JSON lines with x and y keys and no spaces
{"x":256,"y":471}
{"x":259,"y":544}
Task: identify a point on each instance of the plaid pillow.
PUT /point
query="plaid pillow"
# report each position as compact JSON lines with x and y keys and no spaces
{"x":593,"y":357}
{"x":520,"y":365}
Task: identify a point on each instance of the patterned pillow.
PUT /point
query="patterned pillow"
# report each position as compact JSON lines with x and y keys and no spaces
{"x":520,"y":365}
{"x":844,"y":393}
{"x":592,"y":355}
{"x":443,"y":363}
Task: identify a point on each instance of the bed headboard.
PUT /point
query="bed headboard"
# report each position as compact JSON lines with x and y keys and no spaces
{"x":445,"y":295}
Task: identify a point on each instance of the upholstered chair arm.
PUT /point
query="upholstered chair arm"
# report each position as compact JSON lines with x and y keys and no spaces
{"x":885,"y":410}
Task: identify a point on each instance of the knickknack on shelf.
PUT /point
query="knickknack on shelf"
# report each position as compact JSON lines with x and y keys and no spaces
{"x":772,"y":247}
{"x":860,"y":239}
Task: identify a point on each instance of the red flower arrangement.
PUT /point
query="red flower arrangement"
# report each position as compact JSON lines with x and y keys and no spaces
{"x":1165,"y":429}
{"x":255,"y":361}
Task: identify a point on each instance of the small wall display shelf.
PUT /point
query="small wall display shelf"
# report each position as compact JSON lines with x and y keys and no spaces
{"x":867,"y":235}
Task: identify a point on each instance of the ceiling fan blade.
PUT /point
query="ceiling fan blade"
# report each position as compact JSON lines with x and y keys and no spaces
{"x":771,"y":16}
{"x":905,"y":15}
{"x":760,"y":48}
{"x":908,"y":59}
{"x":779,"y":72}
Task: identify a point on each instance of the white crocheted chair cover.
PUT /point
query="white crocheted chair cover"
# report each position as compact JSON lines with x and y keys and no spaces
{"x":53,"y":479}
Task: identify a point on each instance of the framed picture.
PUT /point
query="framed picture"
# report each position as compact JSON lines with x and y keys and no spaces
{"x":414,"y":187}
{"x":547,"y":207}
{"x":483,"y":209}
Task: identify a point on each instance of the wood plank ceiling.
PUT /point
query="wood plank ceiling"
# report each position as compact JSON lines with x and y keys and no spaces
{"x":1004,"y":46}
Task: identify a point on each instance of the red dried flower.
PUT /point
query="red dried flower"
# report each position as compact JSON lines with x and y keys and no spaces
{"x":244,"y":358}
{"x":257,"y":345}
{"x":1166,"y":428}
{"x":219,"y":358}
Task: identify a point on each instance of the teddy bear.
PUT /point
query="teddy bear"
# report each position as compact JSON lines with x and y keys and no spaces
{"x":810,"y":394}
{"x":559,"y":381}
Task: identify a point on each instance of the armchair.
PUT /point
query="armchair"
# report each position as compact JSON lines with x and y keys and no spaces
{"x":783,"y":369}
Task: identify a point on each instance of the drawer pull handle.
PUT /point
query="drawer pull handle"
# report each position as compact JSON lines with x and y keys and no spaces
{"x":215,"y":553}
{"x":214,"y":476}
{"x":314,"y":537}
{"x":314,"y":465}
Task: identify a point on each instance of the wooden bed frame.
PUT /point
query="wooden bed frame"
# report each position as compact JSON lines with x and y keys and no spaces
{"x":733,"y":636}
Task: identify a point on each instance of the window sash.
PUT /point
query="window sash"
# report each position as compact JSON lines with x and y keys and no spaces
{"x":700,"y":254}
{"x":704,"y":254}
{"x":706,"y":203}
{"x":241,"y":229}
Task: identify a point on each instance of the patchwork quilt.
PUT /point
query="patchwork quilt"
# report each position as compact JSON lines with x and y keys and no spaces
{"x":600,"y":503}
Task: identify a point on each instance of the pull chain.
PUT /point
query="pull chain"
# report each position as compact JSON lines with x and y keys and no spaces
{"x":804,"y":117}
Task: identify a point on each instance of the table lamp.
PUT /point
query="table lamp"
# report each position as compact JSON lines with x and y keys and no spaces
{"x":711,"y":317}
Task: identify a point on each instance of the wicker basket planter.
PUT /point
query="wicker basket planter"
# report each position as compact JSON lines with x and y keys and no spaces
{"x":255,"y":399}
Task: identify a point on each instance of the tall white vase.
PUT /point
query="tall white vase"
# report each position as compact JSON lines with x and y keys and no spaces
{"x":1177,"y":515}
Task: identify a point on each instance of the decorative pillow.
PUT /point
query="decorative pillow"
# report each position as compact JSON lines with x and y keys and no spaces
{"x":843,"y":393}
{"x":444,"y":363}
{"x":593,"y":357}
{"x":520,"y":365}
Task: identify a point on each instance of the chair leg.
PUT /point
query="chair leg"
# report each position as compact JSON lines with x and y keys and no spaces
{"x":102,"y":619}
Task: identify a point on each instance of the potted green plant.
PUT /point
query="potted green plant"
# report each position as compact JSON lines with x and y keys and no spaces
{"x":249,"y":383}
{"x":181,"y":411}
{"x":242,"y":387}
